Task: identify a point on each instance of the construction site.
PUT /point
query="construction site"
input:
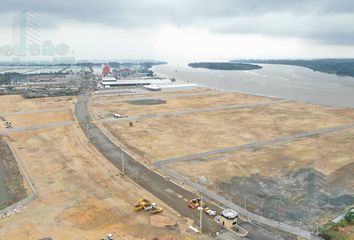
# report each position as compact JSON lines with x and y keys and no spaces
{"x":79,"y":194}
{"x":275,"y":158}
{"x":136,"y":165}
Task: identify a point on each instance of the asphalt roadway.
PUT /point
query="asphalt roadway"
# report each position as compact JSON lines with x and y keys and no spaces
{"x":170,"y":193}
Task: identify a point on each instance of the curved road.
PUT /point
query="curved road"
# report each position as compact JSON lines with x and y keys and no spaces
{"x":167,"y":191}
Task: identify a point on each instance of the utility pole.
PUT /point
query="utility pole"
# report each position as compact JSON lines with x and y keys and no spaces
{"x":201,"y":213}
{"x":317,"y":232}
{"x":246,"y":207}
{"x":88,"y":132}
{"x":122,"y":157}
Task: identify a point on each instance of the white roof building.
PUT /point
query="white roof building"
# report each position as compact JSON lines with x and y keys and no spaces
{"x":229,"y":214}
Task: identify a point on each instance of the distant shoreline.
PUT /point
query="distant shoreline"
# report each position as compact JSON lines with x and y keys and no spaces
{"x":225,"y":66}
{"x":340,"y":67}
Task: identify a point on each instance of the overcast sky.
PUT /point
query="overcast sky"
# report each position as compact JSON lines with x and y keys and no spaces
{"x":178,"y":30}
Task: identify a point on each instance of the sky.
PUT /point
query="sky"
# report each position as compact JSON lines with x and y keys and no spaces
{"x":185,"y":30}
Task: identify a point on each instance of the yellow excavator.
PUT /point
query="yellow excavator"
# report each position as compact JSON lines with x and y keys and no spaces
{"x":147,"y":206}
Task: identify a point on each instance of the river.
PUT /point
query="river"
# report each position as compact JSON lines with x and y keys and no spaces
{"x":282,"y":81}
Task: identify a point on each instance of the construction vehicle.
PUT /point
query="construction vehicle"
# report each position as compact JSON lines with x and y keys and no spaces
{"x":209,"y":211}
{"x":195,"y":203}
{"x":148,"y":207}
{"x":156,"y":210}
{"x":142,"y":203}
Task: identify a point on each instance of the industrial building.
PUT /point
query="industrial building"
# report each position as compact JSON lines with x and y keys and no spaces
{"x":110,"y":82}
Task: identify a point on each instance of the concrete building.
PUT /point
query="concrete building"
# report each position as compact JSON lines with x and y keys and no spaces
{"x":228,"y":218}
{"x":26,"y":33}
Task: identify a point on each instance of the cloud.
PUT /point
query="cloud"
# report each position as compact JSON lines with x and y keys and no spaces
{"x":326,"y":21}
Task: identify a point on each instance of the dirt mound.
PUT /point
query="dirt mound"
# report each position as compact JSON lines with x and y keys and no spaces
{"x":341,"y":181}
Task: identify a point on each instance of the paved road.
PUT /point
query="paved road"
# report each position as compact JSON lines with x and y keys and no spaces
{"x":167,"y":191}
{"x":5,"y":114}
{"x":158,"y":96}
{"x":200,"y":110}
{"x":282,"y":139}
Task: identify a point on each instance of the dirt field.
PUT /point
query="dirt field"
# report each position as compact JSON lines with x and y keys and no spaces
{"x":81,"y":196}
{"x":39,"y":118}
{"x":150,"y":105}
{"x":168,"y":137}
{"x":16,"y":103}
{"x":329,"y":154}
{"x":280,"y":181}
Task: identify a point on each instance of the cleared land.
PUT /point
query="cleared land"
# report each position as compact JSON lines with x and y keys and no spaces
{"x":173,"y":136}
{"x":328,"y":153}
{"x":16,"y":103}
{"x":157,"y":103}
{"x":39,"y":118}
{"x":81,"y":196}
{"x":280,"y":181}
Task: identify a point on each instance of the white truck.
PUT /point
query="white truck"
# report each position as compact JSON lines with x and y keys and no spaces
{"x":116,"y":115}
{"x":108,"y":237}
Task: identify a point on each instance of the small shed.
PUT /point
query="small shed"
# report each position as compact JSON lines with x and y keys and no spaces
{"x":228,"y":218}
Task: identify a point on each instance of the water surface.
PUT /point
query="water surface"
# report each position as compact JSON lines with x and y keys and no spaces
{"x":282,"y":81}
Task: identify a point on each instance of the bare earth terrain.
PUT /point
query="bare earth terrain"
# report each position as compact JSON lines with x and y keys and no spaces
{"x":173,"y":136}
{"x":81,"y":196}
{"x":280,"y":181}
{"x":288,"y":178}
{"x":149,"y":104}
{"x":16,"y":103}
